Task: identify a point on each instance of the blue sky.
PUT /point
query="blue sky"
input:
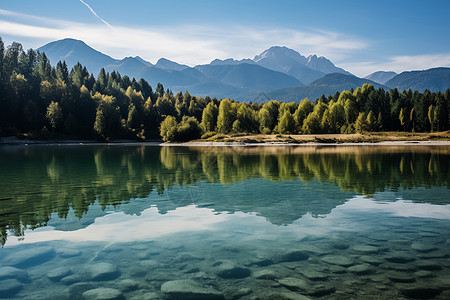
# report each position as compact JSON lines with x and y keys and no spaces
{"x":360,"y":36}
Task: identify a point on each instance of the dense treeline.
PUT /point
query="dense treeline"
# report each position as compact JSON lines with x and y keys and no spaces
{"x":36,"y":97}
{"x":112,"y":176}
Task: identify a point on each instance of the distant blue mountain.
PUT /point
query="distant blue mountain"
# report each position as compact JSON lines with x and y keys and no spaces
{"x":277,"y":73}
{"x":305,"y":69}
{"x":327,"y":85}
{"x":381,"y":76}
{"x":229,"y":78}
{"x":434,"y":80}
{"x":249,"y":76}
{"x":73,"y":51}
{"x":231,"y":61}
{"x":164,"y":63}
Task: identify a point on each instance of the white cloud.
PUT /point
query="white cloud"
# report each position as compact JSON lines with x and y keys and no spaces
{"x":188,"y":44}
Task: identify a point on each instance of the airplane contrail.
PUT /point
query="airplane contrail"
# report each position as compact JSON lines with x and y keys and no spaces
{"x":95,"y":14}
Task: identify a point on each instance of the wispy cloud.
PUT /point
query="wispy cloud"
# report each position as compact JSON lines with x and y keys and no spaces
{"x":95,"y":14}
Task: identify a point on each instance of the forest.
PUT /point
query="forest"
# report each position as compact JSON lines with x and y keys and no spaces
{"x":39,"y":100}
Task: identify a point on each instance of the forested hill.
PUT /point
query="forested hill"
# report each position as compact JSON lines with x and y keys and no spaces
{"x":39,"y":99}
{"x":436,"y":79}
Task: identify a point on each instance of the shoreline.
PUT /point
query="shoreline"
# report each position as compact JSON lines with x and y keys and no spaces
{"x":13,"y":141}
{"x":269,"y":144}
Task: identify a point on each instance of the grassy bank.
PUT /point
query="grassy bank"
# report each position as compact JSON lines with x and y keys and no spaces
{"x":372,"y":137}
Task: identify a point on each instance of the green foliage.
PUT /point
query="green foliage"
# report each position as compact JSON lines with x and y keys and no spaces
{"x":268,"y":116}
{"x":169,"y":129}
{"x":303,"y":110}
{"x":54,"y":114}
{"x":361,"y":123}
{"x":287,"y":123}
{"x":226,"y":117}
{"x":188,"y":129}
{"x":312,"y":123}
{"x":209,"y":117}
{"x":35,"y":96}
{"x":371,"y":122}
{"x":246,"y":118}
{"x":336,"y":117}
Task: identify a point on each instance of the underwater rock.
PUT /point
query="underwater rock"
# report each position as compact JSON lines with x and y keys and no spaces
{"x":313,"y":275}
{"x":286,"y":296}
{"x":103,"y":294}
{"x":423,"y":274}
{"x":127,"y":285}
{"x":419,"y":291}
{"x":150,"y":263}
{"x":366,"y":249}
{"x":427,"y":265}
{"x":338,"y":260}
{"x":59,"y":273}
{"x":360,"y":269}
{"x":14,"y":273}
{"x":68,"y":252}
{"x":443,"y":282}
{"x":189,"y":290}
{"x":265,"y":274}
{"x":339,"y":244}
{"x":434,"y":254}
{"x":297,"y":284}
{"x":423,"y":247}
{"x":399,"y":276}
{"x":314,"y":250}
{"x":294,"y":255}
{"x":229,"y":270}
{"x":399,"y":257}
{"x":399,"y":267}
{"x":71,"y":279}
{"x":294,"y":283}
{"x":337,"y":269}
{"x":10,"y":287}
{"x":232,"y":293}
{"x":261,"y":261}
{"x":145,"y":295}
{"x":373,"y":260}
{"x":320,"y":290}
{"x":76,"y":289}
{"x":103,"y":271}
{"x":30,"y":257}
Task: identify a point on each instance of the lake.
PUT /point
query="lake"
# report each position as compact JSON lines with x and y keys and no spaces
{"x":267,"y":222}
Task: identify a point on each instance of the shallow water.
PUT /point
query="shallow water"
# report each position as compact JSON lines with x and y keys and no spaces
{"x":137,"y":222}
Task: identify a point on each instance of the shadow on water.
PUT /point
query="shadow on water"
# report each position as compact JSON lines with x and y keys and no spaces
{"x":40,"y":181}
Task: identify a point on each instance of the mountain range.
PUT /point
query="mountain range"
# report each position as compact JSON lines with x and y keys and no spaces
{"x":276,"y":73}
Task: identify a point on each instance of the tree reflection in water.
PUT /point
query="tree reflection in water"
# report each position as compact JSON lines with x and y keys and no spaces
{"x":40,"y":180}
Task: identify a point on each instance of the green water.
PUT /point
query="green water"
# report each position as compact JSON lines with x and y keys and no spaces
{"x":147,"y":222}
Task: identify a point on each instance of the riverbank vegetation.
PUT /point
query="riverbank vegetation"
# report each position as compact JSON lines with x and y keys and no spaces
{"x":41,"y":100}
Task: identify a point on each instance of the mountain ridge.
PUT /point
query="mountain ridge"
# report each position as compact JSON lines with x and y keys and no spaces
{"x":276,"y":72}
{"x":381,"y":76}
{"x":434,"y":79}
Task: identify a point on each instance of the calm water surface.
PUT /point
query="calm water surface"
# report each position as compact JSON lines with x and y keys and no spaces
{"x":146,"y":222}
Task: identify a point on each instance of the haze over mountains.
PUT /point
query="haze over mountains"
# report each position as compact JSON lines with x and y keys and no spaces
{"x":381,"y":76}
{"x":276,"y":73}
